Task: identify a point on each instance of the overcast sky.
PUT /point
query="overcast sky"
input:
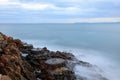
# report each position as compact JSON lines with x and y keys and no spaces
{"x":59,"y":11}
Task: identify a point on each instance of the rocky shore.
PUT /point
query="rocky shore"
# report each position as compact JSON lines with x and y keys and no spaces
{"x":21,"y":61}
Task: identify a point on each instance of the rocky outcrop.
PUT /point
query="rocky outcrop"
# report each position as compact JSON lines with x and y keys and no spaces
{"x":12,"y":63}
{"x":21,"y":61}
{"x":38,"y":64}
{"x":49,"y":65}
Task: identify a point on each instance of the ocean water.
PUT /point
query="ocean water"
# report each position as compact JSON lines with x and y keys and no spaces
{"x":98,"y":44}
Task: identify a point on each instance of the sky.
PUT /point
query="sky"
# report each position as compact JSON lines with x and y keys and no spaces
{"x":59,"y":11}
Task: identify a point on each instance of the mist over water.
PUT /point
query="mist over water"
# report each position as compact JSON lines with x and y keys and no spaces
{"x":98,"y":44}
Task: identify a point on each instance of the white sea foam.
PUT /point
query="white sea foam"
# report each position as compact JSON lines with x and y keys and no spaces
{"x":108,"y":67}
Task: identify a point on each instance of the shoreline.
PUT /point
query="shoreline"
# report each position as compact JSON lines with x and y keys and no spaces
{"x":36,"y":65}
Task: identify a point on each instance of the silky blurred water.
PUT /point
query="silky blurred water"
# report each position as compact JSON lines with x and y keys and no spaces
{"x":98,"y":44}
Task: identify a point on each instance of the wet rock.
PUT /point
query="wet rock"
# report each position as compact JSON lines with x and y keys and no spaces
{"x":86,"y":64}
{"x":26,"y":48}
{"x":35,"y":50}
{"x":54,"y":63}
{"x":50,"y":65}
{"x":56,"y":69}
{"x":44,"y":50}
{"x":62,"y":73}
{"x":63,"y":55}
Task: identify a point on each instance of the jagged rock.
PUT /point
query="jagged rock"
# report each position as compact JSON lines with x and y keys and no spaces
{"x":26,"y":48}
{"x":39,"y":64}
{"x":18,"y":43}
{"x":63,"y":55}
{"x":61,"y":73}
{"x":11,"y":62}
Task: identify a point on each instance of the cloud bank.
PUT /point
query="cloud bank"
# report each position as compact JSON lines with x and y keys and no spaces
{"x":59,"y":11}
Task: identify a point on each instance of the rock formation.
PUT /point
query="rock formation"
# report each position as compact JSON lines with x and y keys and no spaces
{"x":12,"y":63}
{"x":21,"y":61}
{"x":38,"y":64}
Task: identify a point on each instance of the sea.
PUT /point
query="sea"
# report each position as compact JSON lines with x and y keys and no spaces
{"x":96,"y":43}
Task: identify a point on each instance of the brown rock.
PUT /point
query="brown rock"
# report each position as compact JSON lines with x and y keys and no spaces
{"x":4,"y":77}
{"x":18,"y":43}
{"x":1,"y":37}
{"x":51,"y":65}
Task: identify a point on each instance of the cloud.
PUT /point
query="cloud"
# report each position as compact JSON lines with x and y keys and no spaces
{"x":93,"y":20}
{"x":73,"y":5}
{"x":60,"y":10}
{"x":8,"y":2}
{"x":83,"y":20}
{"x":39,"y":6}
{"x":36,"y":6}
